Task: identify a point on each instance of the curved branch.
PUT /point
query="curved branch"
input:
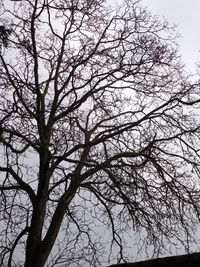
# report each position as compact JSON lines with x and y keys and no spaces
{"x":23,"y":232}
{"x":21,"y":183}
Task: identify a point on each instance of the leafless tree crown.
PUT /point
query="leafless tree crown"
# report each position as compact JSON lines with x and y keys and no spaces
{"x":99,"y":131}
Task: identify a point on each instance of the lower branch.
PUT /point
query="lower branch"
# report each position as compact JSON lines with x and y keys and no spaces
{"x":23,"y":232}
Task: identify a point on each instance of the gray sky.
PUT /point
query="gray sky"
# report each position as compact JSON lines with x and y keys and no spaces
{"x":186,"y":14}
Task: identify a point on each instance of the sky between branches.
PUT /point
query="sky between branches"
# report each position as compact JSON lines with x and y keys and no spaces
{"x":185,"y":14}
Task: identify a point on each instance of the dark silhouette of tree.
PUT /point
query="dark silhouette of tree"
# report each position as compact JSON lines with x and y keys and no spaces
{"x":98,"y":128}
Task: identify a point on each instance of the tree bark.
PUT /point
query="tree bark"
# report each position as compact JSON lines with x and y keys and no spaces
{"x":38,"y":250}
{"x":34,"y":256}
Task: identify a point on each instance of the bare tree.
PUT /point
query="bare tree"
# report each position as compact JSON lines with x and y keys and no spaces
{"x":98,"y":128}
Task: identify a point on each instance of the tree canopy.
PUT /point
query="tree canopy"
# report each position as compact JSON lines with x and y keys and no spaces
{"x":99,"y":132}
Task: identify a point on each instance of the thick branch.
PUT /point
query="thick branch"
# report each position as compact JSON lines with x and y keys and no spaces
{"x":21,"y":183}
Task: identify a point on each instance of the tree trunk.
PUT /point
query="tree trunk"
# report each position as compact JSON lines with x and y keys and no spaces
{"x":38,"y":250}
{"x":34,"y":238}
{"x":34,"y":257}
{"x":38,"y":260}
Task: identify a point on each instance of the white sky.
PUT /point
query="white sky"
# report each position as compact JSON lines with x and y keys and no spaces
{"x":186,"y":14}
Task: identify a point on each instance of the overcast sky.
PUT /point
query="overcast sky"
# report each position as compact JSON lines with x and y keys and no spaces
{"x":186,"y":14}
